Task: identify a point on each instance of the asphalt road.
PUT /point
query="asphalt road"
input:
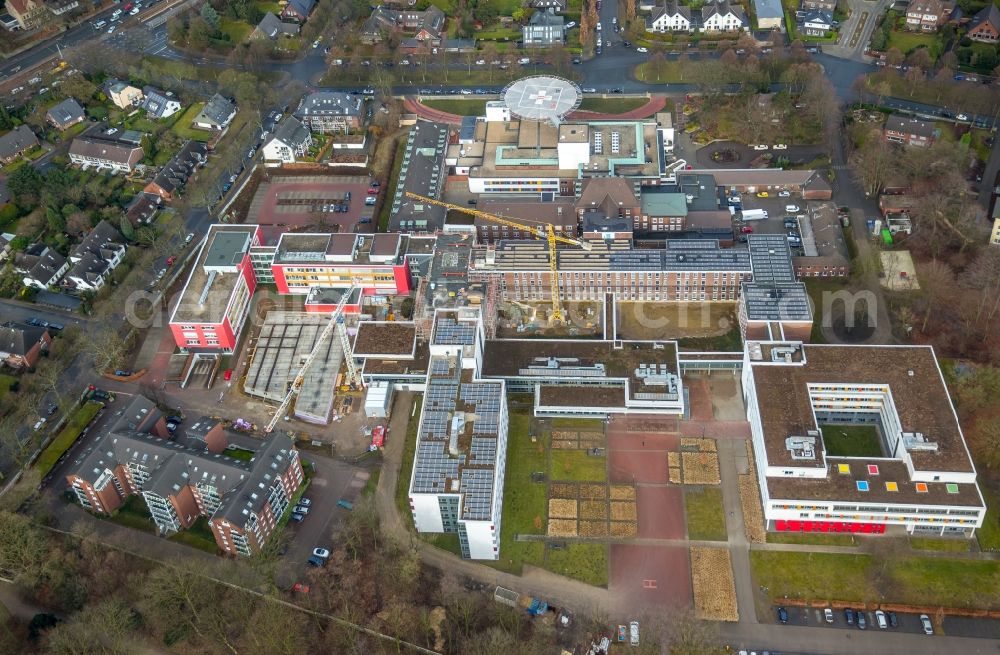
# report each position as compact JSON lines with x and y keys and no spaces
{"x":20,"y":312}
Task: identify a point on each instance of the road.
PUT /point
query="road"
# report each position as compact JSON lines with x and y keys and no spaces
{"x":14,"y":310}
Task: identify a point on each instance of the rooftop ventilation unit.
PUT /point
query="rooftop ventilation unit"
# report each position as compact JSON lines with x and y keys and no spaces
{"x":802,"y":448}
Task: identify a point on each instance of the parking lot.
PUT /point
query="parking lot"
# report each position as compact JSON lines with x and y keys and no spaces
{"x":908,"y":623}
{"x":306,"y":200}
{"x":776,"y":216}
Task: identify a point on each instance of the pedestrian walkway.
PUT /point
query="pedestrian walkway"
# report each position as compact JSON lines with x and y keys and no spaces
{"x":654,"y":105}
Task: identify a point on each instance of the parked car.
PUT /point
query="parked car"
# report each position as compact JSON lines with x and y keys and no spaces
{"x":301,"y":509}
{"x":172,"y":427}
{"x":780,"y":146}
{"x":746,"y":229}
{"x":881,"y":620}
{"x":589,"y":89}
{"x":633,"y":633}
{"x":760,"y":146}
{"x":171,"y":259}
{"x":763,"y":194}
{"x":300,"y":588}
{"x":849,"y":615}
{"x":316,"y":561}
{"x":58,"y":327}
{"x":305,"y":502}
{"x":123,"y":372}
{"x":642,"y":49}
{"x":962,"y":117}
{"x":783,"y":615}
{"x":51,"y":409}
{"x":828,"y":615}
{"x":784,"y":194}
{"x":893,"y":621}
{"x":925,"y":622}
{"x":297,"y":517}
{"x":321,"y":552}
{"x":371,"y":200}
{"x":862,"y":623}
{"x":111,"y":30}
{"x":792,"y":209}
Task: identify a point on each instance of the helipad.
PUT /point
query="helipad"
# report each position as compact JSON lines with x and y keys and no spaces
{"x":542,"y":98}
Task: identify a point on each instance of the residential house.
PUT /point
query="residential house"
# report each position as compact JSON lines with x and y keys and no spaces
{"x":66,"y":114}
{"x":927,"y":15}
{"x":544,"y":28}
{"x":40,"y":265}
{"x":5,"y":239}
{"x":8,"y":22}
{"x":29,"y":14}
{"x":723,"y":17}
{"x":17,"y":141}
{"x":330,"y":112}
{"x":770,"y":14}
{"x":181,"y":482}
{"x":159,"y":104}
{"x":290,"y":142}
{"x":22,"y":345}
{"x":816,"y":22}
{"x":102,"y":149}
{"x":217,"y":113}
{"x":298,"y":10}
{"x":175,"y":174}
{"x":271,"y":27}
{"x":123,"y":94}
{"x":61,"y":7}
{"x":669,"y":17}
{"x":425,"y":25}
{"x":94,"y":258}
{"x":909,"y":131}
{"x":824,"y":5}
{"x":985,"y":27}
{"x":143,"y":208}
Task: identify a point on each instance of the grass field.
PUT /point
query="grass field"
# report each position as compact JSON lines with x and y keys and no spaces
{"x":524,"y":501}
{"x":134,"y":514}
{"x":940,"y":545}
{"x":585,"y":424}
{"x":237,"y":30}
{"x":458,"y":106}
{"x":182,"y":126}
{"x":989,"y":534}
{"x":238,"y":453}
{"x":5,"y":382}
{"x":706,"y":518}
{"x":810,"y":539}
{"x":67,"y":437}
{"x":860,"y":578}
{"x":585,"y":562}
{"x":731,"y":341}
{"x":612,"y":105}
{"x":199,"y":536}
{"x":907,"y":42}
{"x":406,"y":467}
{"x":577,"y":465}
{"x":851,"y":440}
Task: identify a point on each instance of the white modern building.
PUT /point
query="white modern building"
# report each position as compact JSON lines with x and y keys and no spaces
{"x":458,"y":471}
{"x":922,"y":480}
{"x":669,"y":17}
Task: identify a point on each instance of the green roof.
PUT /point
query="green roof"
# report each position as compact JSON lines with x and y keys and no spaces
{"x":664,"y":204}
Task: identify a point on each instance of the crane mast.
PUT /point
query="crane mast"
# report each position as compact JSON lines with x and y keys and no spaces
{"x":336,"y":321}
{"x":546,"y":232}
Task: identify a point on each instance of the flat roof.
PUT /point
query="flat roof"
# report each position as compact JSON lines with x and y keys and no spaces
{"x":576,"y":359}
{"x":663,"y":203}
{"x":386,"y":338}
{"x":215,"y":275}
{"x":567,"y":396}
{"x":392,"y":367}
{"x":914,"y":380}
{"x":422,"y":172}
{"x":457,"y":444}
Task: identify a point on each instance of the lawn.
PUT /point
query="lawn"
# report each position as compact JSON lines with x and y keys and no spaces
{"x":237,"y":30}
{"x":612,"y":105}
{"x":577,"y":465}
{"x":182,"y":126}
{"x":907,"y":42}
{"x":851,"y":440}
{"x":989,"y":534}
{"x":372,"y":483}
{"x":706,"y":518}
{"x":810,"y":539}
{"x":587,"y":424}
{"x":524,"y":501}
{"x":134,"y":514}
{"x":729,"y":342}
{"x":406,"y":466}
{"x":67,"y":436}
{"x":5,"y":382}
{"x":860,"y":578}
{"x":272,"y":7}
{"x":817,"y":288}
{"x":458,"y":106}
{"x":940,"y":545}
{"x":199,"y":536}
{"x":585,"y":562}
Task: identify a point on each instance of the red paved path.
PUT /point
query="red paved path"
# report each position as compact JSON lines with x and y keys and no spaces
{"x":655,"y":104}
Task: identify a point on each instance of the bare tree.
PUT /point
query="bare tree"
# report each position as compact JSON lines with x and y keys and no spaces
{"x":937,"y":281}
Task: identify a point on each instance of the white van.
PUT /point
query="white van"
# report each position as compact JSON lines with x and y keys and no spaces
{"x":753,"y":214}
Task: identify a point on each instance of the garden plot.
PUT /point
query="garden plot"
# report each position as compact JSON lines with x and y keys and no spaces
{"x":592,"y":510}
{"x":713,"y":584}
{"x":573,"y":440}
{"x":696,"y":463}
{"x":753,"y":512}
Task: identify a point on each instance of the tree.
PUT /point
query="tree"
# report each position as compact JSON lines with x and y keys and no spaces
{"x":23,"y":548}
{"x":107,"y":627}
{"x":893,"y":57}
{"x":177,"y":29}
{"x":937,"y":281}
{"x":107,"y":347}
{"x":199,"y":33}
{"x":210,"y":15}
{"x":872,"y":163}
{"x":629,"y":11}
{"x":25,"y":184}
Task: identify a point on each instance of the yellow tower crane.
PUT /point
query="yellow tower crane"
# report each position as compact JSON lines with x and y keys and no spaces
{"x":542,"y":231}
